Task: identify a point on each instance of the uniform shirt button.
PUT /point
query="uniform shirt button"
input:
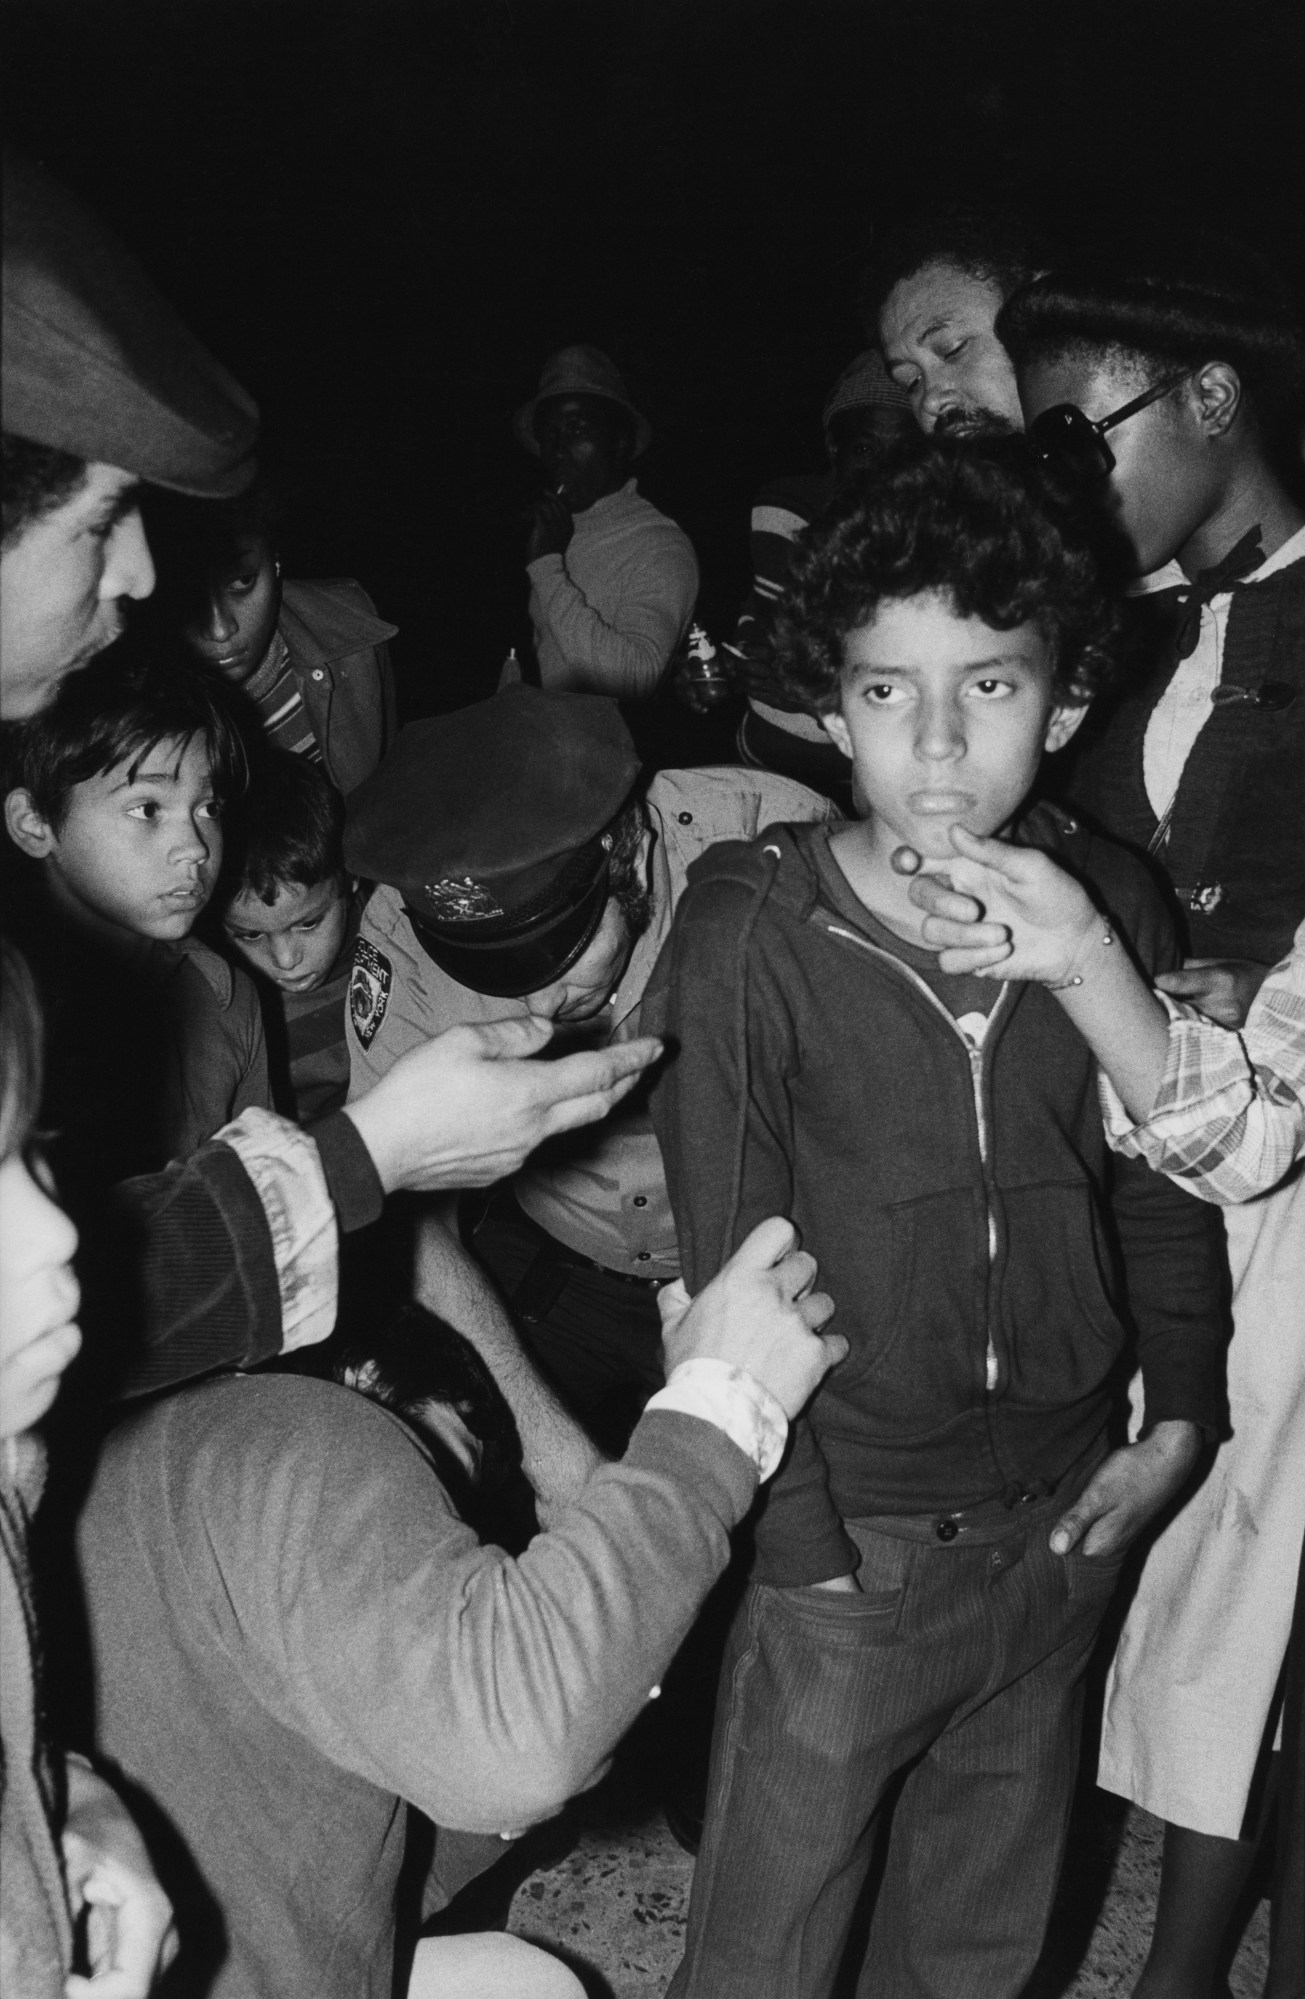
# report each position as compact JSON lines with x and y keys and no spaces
{"x":640,"y":1201}
{"x":947,"y":1530}
{"x":644,"y":1256}
{"x":318,"y":674}
{"x":685,"y":818}
{"x":654,"y":1693}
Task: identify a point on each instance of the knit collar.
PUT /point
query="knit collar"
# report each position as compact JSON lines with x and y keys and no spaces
{"x":625,"y":492}
{"x":270,"y":668}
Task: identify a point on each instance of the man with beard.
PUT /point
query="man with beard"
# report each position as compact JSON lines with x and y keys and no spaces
{"x":933,"y":289}
{"x":522,"y":875}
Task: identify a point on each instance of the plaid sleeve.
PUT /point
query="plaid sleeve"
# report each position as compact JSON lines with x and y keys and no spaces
{"x":1230,"y":1115}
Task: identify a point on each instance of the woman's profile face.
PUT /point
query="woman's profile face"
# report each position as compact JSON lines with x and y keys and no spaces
{"x":1161,"y":488}
{"x":39,"y":1294}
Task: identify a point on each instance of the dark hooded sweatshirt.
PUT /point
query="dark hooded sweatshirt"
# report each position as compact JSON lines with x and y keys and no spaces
{"x":991,"y":1261}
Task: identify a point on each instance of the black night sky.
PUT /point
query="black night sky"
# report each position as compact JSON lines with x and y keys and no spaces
{"x":382,"y":214}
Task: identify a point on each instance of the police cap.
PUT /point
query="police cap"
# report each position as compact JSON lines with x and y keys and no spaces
{"x":98,"y":364}
{"x":493,"y":825}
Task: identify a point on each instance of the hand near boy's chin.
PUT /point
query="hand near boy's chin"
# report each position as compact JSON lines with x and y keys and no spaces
{"x":1001,"y":911}
{"x":1127,"y":1491}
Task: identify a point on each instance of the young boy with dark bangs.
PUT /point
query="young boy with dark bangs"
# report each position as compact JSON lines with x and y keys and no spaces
{"x":115,"y":796}
{"x":293,"y":915}
{"x":936,"y":1557}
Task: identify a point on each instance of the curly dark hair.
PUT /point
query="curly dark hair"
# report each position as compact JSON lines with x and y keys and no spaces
{"x":1005,"y":243}
{"x":977,"y":518}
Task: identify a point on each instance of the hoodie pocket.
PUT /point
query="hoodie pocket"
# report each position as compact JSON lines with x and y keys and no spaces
{"x":916,"y":1325}
{"x":1062,"y":1330}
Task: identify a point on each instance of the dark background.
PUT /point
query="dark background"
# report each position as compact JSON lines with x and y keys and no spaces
{"x":383,"y":214}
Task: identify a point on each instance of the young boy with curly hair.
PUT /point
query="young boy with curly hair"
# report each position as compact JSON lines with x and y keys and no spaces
{"x":936,"y":1557}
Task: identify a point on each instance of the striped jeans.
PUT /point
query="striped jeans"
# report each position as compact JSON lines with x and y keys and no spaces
{"x":938,"y":1710}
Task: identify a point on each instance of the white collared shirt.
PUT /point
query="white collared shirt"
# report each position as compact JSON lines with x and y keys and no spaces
{"x":1184,"y":708}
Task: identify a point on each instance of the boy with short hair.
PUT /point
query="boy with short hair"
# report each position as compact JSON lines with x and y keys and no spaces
{"x":293,"y":916}
{"x":935,"y":1559}
{"x":116,"y":792}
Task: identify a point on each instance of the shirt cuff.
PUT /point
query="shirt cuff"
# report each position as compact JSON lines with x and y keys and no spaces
{"x":351,"y":1177}
{"x":290,"y":1181}
{"x":736,"y":1403}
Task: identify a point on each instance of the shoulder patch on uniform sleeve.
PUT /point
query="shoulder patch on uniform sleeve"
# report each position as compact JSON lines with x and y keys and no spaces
{"x":369,"y":990}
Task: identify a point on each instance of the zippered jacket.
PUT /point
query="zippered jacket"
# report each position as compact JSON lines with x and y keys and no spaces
{"x":991,"y":1262}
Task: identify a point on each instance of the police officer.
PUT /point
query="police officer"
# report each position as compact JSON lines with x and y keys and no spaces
{"x":524,"y":871}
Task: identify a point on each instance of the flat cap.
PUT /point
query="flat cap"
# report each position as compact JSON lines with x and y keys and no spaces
{"x":491,"y":823}
{"x":95,"y":360}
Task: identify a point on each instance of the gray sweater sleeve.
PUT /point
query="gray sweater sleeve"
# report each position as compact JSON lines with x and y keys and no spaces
{"x":485,"y":1690}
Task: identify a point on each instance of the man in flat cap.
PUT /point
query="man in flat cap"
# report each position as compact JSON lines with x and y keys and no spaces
{"x":524,"y":872}
{"x":612,"y":581}
{"x":104,"y":389}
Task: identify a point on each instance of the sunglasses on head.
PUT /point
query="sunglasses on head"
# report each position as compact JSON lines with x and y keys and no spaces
{"x":1063,"y":436}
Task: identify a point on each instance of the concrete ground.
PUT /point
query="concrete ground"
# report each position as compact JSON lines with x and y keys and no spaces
{"x":608,"y":1889}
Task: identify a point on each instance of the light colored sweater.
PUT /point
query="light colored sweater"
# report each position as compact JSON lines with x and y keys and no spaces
{"x":609,"y":613}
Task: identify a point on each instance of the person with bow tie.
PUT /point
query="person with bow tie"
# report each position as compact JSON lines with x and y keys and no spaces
{"x":1170,"y":380}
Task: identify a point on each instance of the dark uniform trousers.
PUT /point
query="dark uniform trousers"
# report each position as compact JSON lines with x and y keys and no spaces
{"x":957,"y":1671}
{"x":595,"y":1333}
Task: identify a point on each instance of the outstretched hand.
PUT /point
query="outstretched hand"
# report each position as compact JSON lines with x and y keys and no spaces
{"x":470,"y":1106}
{"x":761,"y":1313}
{"x":1002,"y":911}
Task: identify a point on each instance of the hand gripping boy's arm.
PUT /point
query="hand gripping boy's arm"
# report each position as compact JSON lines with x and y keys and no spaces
{"x":722,"y":1116}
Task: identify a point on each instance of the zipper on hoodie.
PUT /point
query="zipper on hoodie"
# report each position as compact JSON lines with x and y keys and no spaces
{"x":992,"y":1361}
{"x":992,"y":1366}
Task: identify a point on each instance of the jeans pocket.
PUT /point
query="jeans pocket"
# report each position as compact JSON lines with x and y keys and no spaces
{"x":1092,"y":1578}
{"x":839,"y":1617}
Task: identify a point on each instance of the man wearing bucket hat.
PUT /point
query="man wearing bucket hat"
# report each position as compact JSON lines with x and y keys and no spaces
{"x":612,"y":581}
{"x":524,"y":873}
